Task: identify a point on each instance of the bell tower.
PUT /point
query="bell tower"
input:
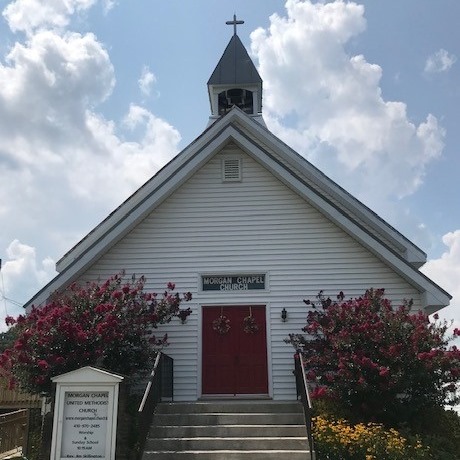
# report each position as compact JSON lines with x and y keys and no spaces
{"x":235,"y":81}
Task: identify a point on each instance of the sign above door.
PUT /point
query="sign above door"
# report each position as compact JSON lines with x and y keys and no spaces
{"x":227,"y":283}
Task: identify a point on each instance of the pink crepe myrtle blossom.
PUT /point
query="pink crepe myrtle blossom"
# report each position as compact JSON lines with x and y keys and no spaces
{"x":364,"y":349}
{"x":107,"y":324}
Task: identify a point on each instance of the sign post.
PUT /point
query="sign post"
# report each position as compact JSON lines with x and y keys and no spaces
{"x":85,"y":414}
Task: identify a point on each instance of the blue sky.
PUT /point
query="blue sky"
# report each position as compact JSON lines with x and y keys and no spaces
{"x":96,"y":95}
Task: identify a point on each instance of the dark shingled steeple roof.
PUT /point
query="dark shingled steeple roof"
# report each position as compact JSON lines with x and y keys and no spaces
{"x":235,"y":66}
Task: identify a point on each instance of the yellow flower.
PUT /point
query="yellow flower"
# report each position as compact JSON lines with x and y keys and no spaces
{"x":338,"y":438}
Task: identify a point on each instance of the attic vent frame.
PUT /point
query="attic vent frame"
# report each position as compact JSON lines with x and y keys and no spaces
{"x":232,"y":169}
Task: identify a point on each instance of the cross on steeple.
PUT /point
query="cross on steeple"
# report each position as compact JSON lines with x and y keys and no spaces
{"x":234,"y":23}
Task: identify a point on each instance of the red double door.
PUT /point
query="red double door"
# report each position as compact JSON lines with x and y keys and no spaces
{"x":234,"y":360}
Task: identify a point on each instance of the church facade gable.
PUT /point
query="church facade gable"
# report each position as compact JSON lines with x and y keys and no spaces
{"x":256,"y":226}
{"x":285,"y":165}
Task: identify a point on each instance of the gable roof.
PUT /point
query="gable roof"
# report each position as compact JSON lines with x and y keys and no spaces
{"x":88,"y":375}
{"x":235,"y":67}
{"x":293,"y":170}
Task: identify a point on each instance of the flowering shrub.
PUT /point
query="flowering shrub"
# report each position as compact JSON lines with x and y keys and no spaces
{"x":380,"y":363}
{"x":106,"y":324}
{"x":337,"y":439}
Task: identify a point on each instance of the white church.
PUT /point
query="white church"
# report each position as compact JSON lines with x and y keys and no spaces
{"x":250,"y":228}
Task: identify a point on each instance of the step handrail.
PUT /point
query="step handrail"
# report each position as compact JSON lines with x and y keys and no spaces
{"x":159,"y":387}
{"x":150,"y":383}
{"x":302,"y":391}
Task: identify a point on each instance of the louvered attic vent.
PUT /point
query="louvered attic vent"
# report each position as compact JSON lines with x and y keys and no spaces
{"x":231,"y":170}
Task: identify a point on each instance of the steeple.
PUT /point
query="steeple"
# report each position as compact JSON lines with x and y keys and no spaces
{"x":235,"y":81}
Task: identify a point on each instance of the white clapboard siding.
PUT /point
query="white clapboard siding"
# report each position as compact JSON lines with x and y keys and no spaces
{"x":257,"y":225}
{"x":330,"y":197}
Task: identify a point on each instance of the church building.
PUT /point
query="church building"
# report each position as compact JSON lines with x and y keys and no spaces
{"x":250,"y":228}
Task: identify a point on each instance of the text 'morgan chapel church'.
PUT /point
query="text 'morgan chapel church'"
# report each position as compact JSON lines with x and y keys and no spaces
{"x":250,"y":228}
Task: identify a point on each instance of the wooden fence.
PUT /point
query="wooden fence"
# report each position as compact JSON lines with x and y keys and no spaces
{"x":14,"y":428}
{"x":13,"y":399}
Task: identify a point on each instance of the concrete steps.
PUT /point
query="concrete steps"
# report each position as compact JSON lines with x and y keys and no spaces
{"x":228,"y":430}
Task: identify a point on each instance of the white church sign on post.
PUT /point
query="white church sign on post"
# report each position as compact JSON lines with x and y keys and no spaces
{"x":85,"y":414}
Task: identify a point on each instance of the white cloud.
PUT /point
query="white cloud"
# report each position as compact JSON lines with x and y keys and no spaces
{"x":64,"y":166}
{"x":31,"y":15}
{"x":49,"y":129}
{"x":146,"y":81}
{"x":46,"y":88}
{"x":441,"y":61}
{"x":328,"y":105}
{"x":21,"y":273}
{"x":108,"y":5}
{"x":446,"y":272}
{"x":22,"y":259}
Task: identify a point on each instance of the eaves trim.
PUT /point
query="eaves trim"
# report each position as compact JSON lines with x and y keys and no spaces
{"x":160,"y":186}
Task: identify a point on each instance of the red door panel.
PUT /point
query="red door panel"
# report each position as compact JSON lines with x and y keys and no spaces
{"x":234,"y":362}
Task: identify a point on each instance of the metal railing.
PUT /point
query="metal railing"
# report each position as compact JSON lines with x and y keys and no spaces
{"x":159,"y":388}
{"x":303,"y":393}
{"x":14,"y":431}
